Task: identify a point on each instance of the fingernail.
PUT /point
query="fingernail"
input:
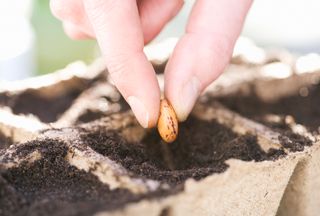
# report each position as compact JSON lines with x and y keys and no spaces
{"x":139,"y":110}
{"x":188,"y":96}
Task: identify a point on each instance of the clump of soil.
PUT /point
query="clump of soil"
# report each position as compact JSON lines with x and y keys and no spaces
{"x":5,"y":141}
{"x":50,"y":186}
{"x":46,"y":109}
{"x":200,"y":150}
{"x":294,"y":142}
{"x":304,"y":109}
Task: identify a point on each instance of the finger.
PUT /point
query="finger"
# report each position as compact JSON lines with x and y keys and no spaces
{"x":74,"y":32}
{"x":204,"y":51}
{"x":118,"y":30}
{"x":155,"y":14}
{"x":72,"y":11}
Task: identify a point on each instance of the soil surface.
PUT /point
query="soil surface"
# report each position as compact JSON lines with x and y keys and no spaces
{"x":200,"y":150}
{"x":304,"y":109}
{"x":91,"y":115}
{"x":50,"y":186}
{"x":5,"y":141}
{"x":294,"y":142}
{"x":46,"y":109}
{"x":49,"y":109}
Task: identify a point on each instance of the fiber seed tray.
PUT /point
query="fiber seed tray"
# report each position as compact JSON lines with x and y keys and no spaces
{"x":69,"y":144}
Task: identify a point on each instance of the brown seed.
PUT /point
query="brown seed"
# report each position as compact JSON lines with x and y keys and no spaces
{"x":167,"y":122}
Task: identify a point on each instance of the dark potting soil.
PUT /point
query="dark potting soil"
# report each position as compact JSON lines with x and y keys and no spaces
{"x":294,"y":142}
{"x":5,"y":141}
{"x":200,"y":150}
{"x":46,"y":109}
{"x":304,"y":109}
{"x":50,"y":186}
{"x":92,"y":115}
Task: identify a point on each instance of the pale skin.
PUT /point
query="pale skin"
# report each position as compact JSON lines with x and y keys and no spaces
{"x":123,"y":27}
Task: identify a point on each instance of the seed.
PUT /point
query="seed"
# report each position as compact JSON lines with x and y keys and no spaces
{"x":167,"y":122}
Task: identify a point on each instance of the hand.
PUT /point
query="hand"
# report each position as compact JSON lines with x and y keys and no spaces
{"x":122,"y":27}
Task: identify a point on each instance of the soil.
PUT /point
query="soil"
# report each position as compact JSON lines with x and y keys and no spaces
{"x":92,"y":115}
{"x":49,"y":109}
{"x":50,"y":186}
{"x":294,"y":142}
{"x":201,"y":149}
{"x":305,"y":110}
{"x":5,"y":141}
{"x":46,"y":109}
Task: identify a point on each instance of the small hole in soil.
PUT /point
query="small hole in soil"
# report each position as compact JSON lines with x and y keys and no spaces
{"x":303,"y":107}
{"x":200,"y":150}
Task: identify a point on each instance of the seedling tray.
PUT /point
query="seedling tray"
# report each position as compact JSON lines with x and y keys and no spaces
{"x":69,"y":145}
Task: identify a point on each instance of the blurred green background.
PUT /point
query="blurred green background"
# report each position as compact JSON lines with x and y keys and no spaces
{"x":54,"y":50}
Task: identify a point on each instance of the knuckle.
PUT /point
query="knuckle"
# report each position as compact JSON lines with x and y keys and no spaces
{"x":96,"y":6}
{"x":75,"y":35}
{"x":54,"y":7}
{"x":118,"y":67}
{"x":95,"y":9}
{"x":58,"y":8}
{"x":215,"y":50}
{"x":75,"y":32}
{"x":219,"y":44}
{"x":67,"y":11}
{"x":222,"y":47}
{"x":110,"y":4}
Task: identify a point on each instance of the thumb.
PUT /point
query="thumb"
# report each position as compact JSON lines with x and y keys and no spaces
{"x":203,"y":52}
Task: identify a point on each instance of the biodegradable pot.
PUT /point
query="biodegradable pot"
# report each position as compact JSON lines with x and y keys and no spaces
{"x":87,"y":155}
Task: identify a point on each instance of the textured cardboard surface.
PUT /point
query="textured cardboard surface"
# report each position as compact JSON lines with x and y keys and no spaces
{"x":289,"y":185}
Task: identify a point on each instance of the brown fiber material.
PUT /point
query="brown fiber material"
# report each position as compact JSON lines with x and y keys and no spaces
{"x":250,"y":147}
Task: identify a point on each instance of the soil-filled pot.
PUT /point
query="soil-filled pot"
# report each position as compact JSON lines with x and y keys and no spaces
{"x":69,"y":145}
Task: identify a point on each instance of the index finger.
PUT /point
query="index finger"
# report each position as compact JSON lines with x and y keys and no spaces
{"x":117,"y":27}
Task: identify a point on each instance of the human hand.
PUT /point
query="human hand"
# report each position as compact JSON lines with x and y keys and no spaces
{"x":122,"y":27}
